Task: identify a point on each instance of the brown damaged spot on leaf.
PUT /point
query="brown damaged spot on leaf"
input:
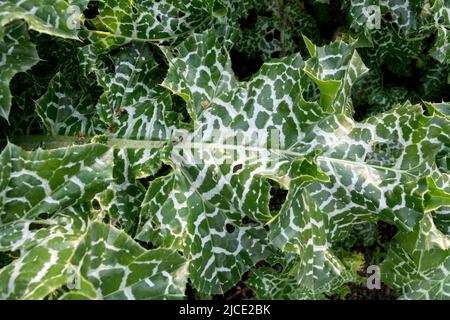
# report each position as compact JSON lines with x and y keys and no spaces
{"x":120,"y":111}
{"x":237,"y":167}
{"x":80,"y":138}
{"x":205,"y":104}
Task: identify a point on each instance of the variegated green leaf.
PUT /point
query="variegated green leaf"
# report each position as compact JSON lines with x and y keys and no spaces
{"x":120,"y":22}
{"x":17,"y":54}
{"x":369,"y":163}
{"x":441,"y":16}
{"x":369,"y":14}
{"x":418,"y":263}
{"x":278,"y":29}
{"x":334,"y":68}
{"x":61,"y":18}
{"x":123,"y":198}
{"x":125,"y":269}
{"x":177,"y":216}
{"x":289,"y":175}
{"x":133,"y":107}
{"x":44,"y":181}
{"x":63,"y":259}
{"x":65,"y":109}
{"x":441,"y":49}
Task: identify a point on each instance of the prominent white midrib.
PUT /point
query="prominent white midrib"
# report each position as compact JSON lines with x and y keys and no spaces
{"x":119,"y":143}
{"x":356,"y":163}
{"x":212,"y":146}
{"x":113,"y":34}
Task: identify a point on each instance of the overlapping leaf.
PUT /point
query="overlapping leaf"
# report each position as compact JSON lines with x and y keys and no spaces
{"x":120,"y":22}
{"x":403,"y":13}
{"x":418,"y":263}
{"x":92,"y":262}
{"x":44,"y":182}
{"x":441,"y":16}
{"x":65,"y":109}
{"x":334,"y":68}
{"x":61,"y":18}
{"x":278,"y":29}
{"x":134,"y":107}
{"x":69,"y":212}
{"x":373,"y":166}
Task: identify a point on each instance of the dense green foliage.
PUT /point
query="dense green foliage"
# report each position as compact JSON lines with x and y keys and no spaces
{"x":158,"y":149}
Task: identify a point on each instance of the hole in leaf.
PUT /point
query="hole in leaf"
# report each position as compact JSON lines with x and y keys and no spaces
{"x":387,"y":17}
{"x":230,"y":228}
{"x":278,"y":267}
{"x":95,"y":204}
{"x":163,"y":171}
{"x":91,"y":11}
{"x":37,"y":226}
{"x":179,"y":107}
{"x":146,"y":245}
{"x":237,"y":167}
{"x":158,"y":18}
{"x":108,"y":219}
{"x":277,"y":196}
{"x":8,"y":257}
{"x":243,"y":66}
{"x":181,"y":14}
{"x":247,"y":220}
